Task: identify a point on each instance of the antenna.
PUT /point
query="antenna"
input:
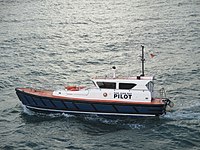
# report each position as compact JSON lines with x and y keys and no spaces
{"x":114,"y":72}
{"x":142,"y":60}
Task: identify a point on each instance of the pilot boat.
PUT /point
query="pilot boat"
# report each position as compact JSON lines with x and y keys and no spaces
{"x":113,"y":96}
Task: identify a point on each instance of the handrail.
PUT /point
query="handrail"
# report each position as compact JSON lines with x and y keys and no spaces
{"x":161,"y":93}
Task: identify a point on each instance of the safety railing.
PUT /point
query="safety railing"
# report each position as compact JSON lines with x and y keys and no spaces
{"x":159,"y":93}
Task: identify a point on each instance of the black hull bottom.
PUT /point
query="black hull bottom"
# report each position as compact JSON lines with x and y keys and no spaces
{"x":47,"y":104}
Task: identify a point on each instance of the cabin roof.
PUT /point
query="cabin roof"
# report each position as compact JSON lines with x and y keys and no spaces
{"x":124,"y":79}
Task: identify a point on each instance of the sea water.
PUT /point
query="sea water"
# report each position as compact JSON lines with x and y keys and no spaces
{"x":48,"y":44}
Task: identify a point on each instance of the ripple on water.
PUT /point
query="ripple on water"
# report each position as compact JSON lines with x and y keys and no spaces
{"x":57,"y":42}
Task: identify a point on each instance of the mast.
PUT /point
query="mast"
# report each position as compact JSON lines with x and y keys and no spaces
{"x":142,"y":60}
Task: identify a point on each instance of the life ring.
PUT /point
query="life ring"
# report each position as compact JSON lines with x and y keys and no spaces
{"x":71,"y":88}
{"x":75,"y":88}
{"x":105,"y":94}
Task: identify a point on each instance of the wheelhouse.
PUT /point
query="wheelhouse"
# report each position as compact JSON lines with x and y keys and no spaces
{"x":144,"y":83}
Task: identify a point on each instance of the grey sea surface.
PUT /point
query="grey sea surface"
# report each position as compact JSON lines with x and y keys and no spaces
{"x":51,"y":43}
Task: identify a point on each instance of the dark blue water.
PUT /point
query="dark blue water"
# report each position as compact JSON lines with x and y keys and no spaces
{"x":47,"y":44}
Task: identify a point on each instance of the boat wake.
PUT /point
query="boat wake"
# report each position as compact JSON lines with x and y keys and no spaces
{"x":183,"y":115}
{"x":38,"y":114}
{"x":28,"y":111}
{"x":119,"y":122}
{"x":123,"y":122}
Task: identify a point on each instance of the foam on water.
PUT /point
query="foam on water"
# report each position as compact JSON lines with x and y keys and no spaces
{"x":27,"y":111}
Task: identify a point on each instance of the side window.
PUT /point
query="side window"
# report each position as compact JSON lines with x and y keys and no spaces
{"x":107,"y":85}
{"x":126,"y":85}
